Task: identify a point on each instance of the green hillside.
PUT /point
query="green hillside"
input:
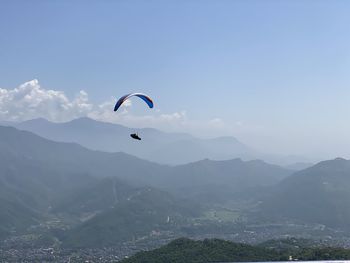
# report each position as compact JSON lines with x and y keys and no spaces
{"x":210,"y":250}
{"x":216,"y":250}
{"x":145,"y":212}
{"x":319,"y":194}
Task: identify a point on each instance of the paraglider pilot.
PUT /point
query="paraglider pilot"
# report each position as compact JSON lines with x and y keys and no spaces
{"x":135,"y":136}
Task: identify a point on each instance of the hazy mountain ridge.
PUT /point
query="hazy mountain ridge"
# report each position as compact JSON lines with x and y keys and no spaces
{"x":70,"y":157}
{"x":157,"y":146}
{"x":73,"y":158}
{"x":161,"y":147}
{"x":219,"y":180}
{"x":299,"y":166}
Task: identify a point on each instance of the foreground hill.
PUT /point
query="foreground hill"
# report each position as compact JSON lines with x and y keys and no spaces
{"x":145,"y":213}
{"x":211,"y":250}
{"x":112,"y":212}
{"x":319,"y":194}
{"x":215,"y":250}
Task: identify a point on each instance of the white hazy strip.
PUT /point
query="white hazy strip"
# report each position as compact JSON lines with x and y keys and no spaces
{"x":30,"y":101}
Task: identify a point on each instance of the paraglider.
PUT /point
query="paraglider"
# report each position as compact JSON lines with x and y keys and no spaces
{"x":135,"y":136}
{"x":142,"y":96}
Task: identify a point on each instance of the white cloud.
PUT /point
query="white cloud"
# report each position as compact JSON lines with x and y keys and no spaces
{"x":30,"y":101}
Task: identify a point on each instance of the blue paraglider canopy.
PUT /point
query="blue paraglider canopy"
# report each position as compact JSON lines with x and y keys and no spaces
{"x":142,"y":96}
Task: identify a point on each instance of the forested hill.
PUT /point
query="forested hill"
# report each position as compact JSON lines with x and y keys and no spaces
{"x":319,"y":194}
{"x":215,"y":250}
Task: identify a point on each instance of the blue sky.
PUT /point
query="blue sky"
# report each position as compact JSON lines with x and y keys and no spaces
{"x":275,"y":74}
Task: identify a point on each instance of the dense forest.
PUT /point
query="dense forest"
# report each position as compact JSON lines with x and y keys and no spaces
{"x":215,"y":250}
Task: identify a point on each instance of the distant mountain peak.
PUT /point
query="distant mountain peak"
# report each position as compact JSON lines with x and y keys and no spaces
{"x":37,"y":120}
{"x":256,"y":162}
{"x":337,"y":162}
{"x":225,"y":138}
{"x":88,"y":119}
{"x":340,"y":159}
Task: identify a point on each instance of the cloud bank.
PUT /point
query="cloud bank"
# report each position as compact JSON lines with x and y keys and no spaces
{"x":30,"y":101}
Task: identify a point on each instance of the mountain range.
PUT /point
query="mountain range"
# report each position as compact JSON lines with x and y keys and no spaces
{"x":42,"y":178}
{"x":106,"y":195}
{"x":157,"y":146}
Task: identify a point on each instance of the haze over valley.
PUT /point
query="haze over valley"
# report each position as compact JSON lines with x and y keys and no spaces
{"x":65,"y":195}
{"x":174,"y":131}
